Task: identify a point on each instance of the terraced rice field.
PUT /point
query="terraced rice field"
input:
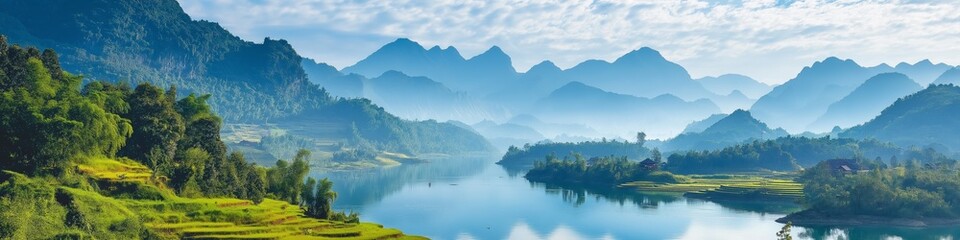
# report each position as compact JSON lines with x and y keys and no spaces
{"x":748,"y":188}
{"x":173,"y":217}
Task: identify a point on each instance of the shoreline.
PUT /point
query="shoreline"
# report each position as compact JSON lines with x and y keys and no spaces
{"x":815,"y":219}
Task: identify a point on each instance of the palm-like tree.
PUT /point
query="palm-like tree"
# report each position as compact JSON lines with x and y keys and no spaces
{"x":324,"y":199}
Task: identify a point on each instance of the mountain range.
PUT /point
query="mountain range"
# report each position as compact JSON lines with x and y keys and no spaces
{"x":606,"y":111}
{"x":799,"y":102}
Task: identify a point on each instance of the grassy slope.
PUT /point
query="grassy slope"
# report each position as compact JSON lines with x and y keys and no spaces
{"x":149,"y":209}
{"x":728,"y":188}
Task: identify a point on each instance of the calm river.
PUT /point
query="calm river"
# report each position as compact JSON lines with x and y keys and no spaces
{"x":476,"y":199}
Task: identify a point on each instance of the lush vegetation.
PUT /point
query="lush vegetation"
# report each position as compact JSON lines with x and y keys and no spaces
{"x":111,"y":162}
{"x":790,"y":153}
{"x":528,"y":154}
{"x":608,"y":170}
{"x":912,"y":190}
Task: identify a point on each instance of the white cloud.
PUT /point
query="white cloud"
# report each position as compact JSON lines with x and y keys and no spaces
{"x":768,"y":39}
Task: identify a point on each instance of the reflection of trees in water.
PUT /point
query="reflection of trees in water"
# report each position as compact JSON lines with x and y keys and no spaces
{"x":514,"y":171}
{"x":577,"y":195}
{"x":879,"y":233}
{"x":358,"y":188}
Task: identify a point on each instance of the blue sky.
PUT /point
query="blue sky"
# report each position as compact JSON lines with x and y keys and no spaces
{"x":770,"y":40}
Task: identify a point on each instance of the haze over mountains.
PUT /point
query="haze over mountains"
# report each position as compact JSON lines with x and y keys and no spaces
{"x":643,"y":78}
{"x":731,"y":129}
{"x":639,"y":91}
{"x":798,"y":103}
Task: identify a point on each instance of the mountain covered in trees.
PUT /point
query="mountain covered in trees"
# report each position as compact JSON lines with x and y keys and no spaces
{"x":156,"y":42}
{"x":733,"y":129}
{"x":926,"y":118}
{"x":866,"y":101}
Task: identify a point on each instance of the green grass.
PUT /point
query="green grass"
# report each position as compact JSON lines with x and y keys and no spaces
{"x":728,"y":187}
{"x":113,"y":212}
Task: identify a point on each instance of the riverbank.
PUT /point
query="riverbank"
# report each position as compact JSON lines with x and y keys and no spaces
{"x":811,"y":218}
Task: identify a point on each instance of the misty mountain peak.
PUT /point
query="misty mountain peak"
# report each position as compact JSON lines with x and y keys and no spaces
{"x":834,"y":61}
{"x":544,"y":67}
{"x":493,"y":53}
{"x":644,"y":54}
{"x":402,"y":45}
{"x":951,"y":76}
{"x":494,"y":58}
{"x":393,"y":74}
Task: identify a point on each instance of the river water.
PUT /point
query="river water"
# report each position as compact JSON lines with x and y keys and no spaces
{"x":472,"y":198}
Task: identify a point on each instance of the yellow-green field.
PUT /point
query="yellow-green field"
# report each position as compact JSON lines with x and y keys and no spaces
{"x":174,"y":217}
{"x":728,"y":188}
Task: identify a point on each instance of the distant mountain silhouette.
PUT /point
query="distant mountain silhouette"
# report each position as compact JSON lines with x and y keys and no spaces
{"x":866,"y":101}
{"x":951,"y":76}
{"x":481,"y":74}
{"x":733,"y":101}
{"x":923,"y":72}
{"x":552,"y":129}
{"x":422,"y":98}
{"x":797,"y":103}
{"x":727,"y":83}
{"x":733,"y":129}
{"x":928,"y":117}
{"x":642,"y":72}
{"x":335,"y":82}
{"x":613,"y":113}
{"x":699,"y":126}
{"x":536,"y":83}
{"x":508,"y":134}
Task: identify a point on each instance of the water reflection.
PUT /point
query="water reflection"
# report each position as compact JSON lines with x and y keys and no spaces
{"x":577,"y":194}
{"x":363,"y":187}
{"x":475,"y":199}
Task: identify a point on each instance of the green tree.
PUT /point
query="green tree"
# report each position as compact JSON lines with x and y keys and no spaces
{"x":46,"y":122}
{"x":156,"y":125}
{"x":324,"y":199}
{"x":307,"y":195}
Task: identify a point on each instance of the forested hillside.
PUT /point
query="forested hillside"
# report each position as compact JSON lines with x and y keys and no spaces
{"x":793,"y":153}
{"x":115,"y":162}
{"x":155,"y":41}
{"x":927,"y":118}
